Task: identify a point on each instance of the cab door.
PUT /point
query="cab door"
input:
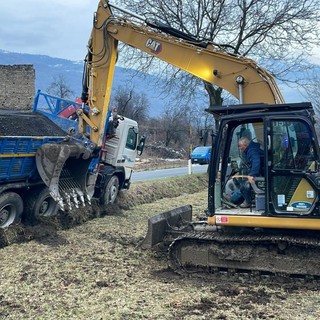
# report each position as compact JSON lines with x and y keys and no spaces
{"x":292,"y":168}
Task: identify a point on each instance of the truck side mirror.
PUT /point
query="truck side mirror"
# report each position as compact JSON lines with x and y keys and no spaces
{"x":140,"y":146}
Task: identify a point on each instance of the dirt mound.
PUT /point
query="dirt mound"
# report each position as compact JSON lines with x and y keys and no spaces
{"x":160,"y":151}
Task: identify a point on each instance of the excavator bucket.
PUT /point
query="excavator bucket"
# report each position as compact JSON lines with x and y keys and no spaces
{"x":167,"y":224}
{"x":64,"y":169}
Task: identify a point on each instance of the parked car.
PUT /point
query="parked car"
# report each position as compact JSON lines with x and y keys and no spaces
{"x":201,"y":155}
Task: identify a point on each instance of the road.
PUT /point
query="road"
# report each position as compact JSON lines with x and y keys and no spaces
{"x":166,"y":173}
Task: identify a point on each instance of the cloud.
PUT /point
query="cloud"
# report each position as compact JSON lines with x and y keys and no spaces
{"x":59,"y":28}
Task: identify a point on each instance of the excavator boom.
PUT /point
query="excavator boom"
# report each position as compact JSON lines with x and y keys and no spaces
{"x":240,"y":76}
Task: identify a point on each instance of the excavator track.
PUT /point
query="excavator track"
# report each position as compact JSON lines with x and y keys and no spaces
{"x":258,"y":254}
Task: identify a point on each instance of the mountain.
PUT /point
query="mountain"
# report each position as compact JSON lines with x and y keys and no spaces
{"x":47,"y":68}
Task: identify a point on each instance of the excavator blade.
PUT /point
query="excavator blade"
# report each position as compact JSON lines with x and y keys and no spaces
{"x":63,"y":167}
{"x":172,"y":222}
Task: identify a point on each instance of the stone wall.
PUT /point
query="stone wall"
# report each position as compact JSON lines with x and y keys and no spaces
{"x":17,"y":83}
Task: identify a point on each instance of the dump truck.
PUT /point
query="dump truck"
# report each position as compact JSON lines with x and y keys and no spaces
{"x":26,"y":172}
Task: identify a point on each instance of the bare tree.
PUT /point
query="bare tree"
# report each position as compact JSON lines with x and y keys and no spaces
{"x":276,"y":33}
{"x":313,"y":90}
{"x":60,"y":88}
{"x":131,"y":104}
{"x":312,"y":94}
{"x":175,"y":126}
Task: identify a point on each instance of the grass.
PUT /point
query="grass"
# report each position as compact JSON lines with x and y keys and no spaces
{"x":96,"y":270}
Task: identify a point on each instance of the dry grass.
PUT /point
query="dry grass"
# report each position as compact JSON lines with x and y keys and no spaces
{"x":158,"y":163}
{"x":96,"y":271}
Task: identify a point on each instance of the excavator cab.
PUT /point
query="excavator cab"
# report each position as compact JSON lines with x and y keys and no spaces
{"x":289,"y":174}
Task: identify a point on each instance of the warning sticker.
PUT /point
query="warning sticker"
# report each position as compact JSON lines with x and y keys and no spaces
{"x":222,"y":219}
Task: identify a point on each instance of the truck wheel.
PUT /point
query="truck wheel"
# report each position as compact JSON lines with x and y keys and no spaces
{"x":11,"y":208}
{"x":39,"y":204}
{"x":111,"y":191}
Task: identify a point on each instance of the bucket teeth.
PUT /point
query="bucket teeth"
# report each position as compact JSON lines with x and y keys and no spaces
{"x":75,"y":199}
{"x":68,"y":200}
{"x":72,"y":199}
{"x":60,"y":203}
{"x":81,"y":196}
{"x":88,"y":199}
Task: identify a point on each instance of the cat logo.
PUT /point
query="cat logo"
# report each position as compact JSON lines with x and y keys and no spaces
{"x":154,"y":46}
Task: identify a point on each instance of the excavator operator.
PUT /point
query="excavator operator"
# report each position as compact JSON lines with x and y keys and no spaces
{"x":251,"y":165}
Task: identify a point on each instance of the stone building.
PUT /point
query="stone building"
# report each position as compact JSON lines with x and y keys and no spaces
{"x":17,"y":84}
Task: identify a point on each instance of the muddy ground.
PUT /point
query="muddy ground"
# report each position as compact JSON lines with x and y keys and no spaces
{"x":96,"y":270}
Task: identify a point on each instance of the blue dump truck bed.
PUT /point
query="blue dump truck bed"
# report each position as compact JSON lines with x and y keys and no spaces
{"x":21,"y":134}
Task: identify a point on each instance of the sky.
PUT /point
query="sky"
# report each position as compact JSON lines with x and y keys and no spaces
{"x":57,"y":28}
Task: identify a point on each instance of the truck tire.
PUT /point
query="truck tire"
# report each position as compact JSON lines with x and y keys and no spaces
{"x":11,"y":208}
{"x":111,"y":191}
{"x":39,"y":204}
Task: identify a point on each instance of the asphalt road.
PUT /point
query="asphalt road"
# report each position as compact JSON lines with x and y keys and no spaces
{"x":166,"y":173}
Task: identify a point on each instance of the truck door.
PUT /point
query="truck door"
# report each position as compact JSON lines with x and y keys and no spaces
{"x":292,"y":168}
{"x":129,"y":152}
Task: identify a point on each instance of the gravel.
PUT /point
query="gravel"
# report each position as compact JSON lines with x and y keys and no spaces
{"x":18,"y":123}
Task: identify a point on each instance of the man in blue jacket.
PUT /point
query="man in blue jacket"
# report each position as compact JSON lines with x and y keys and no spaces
{"x":252,"y":156}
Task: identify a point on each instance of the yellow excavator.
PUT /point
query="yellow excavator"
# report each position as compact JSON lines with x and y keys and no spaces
{"x":279,"y":231}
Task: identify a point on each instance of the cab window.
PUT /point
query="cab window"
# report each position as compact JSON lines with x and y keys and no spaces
{"x":131,"y":139}
{"x":292,"y":145}
{"x":293,"y":156}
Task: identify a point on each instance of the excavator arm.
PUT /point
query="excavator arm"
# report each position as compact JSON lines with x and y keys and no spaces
{"x":98,"y":76}
{"x":65,"y":167}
